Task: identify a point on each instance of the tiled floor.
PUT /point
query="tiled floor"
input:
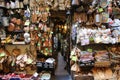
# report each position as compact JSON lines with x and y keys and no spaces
{"x":61,"y":73}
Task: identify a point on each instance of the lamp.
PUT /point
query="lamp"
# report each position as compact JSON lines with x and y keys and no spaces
{"x":65,"y":27}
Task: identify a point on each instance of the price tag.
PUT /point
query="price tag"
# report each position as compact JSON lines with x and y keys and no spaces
{"x":47,"y":9}
{"x":100,"y":9}
{"x":2,"y":54}
{"x":27,"y":23}
{"x":89,"y":50}
{"x":74,"y":58}
{"x":36,"y":28}
{"x":29,"y":61}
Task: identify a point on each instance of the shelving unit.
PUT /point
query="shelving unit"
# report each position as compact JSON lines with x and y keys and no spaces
{"x":82,"y":41}
{"x":40,"y":45}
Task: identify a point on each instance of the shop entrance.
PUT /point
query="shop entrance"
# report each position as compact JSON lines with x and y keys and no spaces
{"x":61,"y":46}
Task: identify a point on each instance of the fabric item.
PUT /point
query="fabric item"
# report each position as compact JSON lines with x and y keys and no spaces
{"x":12,"y":5}
{"x":85,"y":41}
{"x":75,"y":67}
{"x":74,"y":32}
{"x":50,"y":60}
{"x":86,"y":57}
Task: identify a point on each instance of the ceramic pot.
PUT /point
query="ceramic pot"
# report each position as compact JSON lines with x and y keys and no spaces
{"x":5,"y":21}
{"x":11,"y":27}
{"x":7,"y":5}
{"x":16,"y":51}
{"x":75,"y":2}
{"x":12,"y":5}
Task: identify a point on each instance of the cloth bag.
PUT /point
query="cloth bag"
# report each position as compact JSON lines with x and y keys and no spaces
{"x":75,"y":67}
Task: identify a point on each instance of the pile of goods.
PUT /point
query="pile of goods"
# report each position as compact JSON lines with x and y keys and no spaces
{"x":102,"y":59}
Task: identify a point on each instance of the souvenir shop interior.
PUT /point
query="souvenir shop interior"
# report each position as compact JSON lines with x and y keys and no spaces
{"x":59,"y":40}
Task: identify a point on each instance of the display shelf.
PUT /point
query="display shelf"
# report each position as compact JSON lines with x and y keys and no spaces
{"x":20,"y":31}
{"x":3,"y":7}
{"x":41,"y":55}
{"x":106,"y":44}
{"x":45,"y":66}
{"x":15,"y":8}
{"x":80,"y":76}
{"x":96,"y":38}
{"x":10,"y":8}
{"x":90,"y":64}
{"x":17,"y":43}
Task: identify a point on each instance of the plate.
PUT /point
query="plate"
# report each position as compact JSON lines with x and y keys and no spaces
{"x":105,"y":17}
{"x":104,"y":3}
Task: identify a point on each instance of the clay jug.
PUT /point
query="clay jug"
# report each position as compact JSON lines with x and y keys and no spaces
{"x":7,"y":5}
{"x":16,"y":51}
{"x":11,"y":27}
{"x":18,"y":21}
